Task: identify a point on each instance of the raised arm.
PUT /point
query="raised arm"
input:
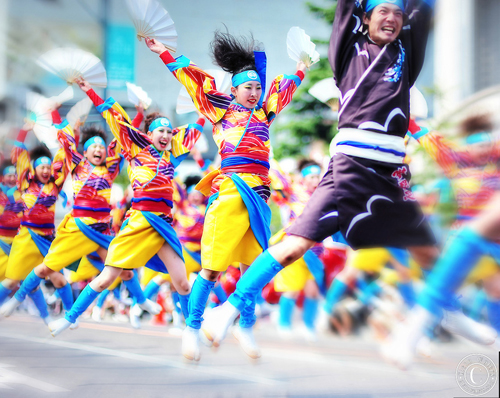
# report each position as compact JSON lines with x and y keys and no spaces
{"x":21,"y":159}
{"x":346,"y":29}
{"x":281,"y":92}
{"x":183,"y":140}
{"x":66,"y":137}
{"x":139,"y":117}
{"x":199,"y":84}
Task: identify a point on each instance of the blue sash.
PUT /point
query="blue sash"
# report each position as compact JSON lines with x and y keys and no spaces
{"x":196,"y":256}
{"x":317,"y":269}
{"x":95,"y":236}
{"x":400,"y":255}
{"x":40,"y":242}
{"x":95,"y":260}
{"x":5,"y":247}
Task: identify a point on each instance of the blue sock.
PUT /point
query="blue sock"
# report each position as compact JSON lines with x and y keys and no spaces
{"x":369,"y":291}
{"x":102,"y":298}
{"x":134,"y":287}
{"x":177,"y":302}
{"x":66,"y":295}
{"x":116,"y":293}
{"x":39,"y":300}
{"x":310,"y":310}
{"x":334,"y":294}
{"x":406,"y":290}
{"x":480,"y":301}
{"x":220,"y":293}
{"x":452,"y":268}
{"x":494,"y":314}
{"x":4,"y":293}
{"x":198,"y":300}
{"x":86,"y":297}
{"x":287,"y":306}
{"x":184,"y":302}
{"x":247,"y":315}
{"x":258,"y":275}
{"x":259,"y":299}
{"x":151,"y":290}
{"x":29,"y":284}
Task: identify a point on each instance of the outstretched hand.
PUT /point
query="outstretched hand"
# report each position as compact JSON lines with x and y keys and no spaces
{"x":155,"y":45}
{"x":302,"y":67}
{"x":83,"y":84}
{"x":28,"y":125}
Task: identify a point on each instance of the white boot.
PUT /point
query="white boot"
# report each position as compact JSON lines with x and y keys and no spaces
{"x":58,"y":326}
{"x":323,"y":321}
{"x":456,"y":322}
{"x":9,"y":307}
{"x":75,"y":325}
{"x":401,"y":346}
{"x":218,"y":321}
{"x":135,"y":316}
{"x":247,"y":341}
{"x":96,"y":314}
{"x":191,"y":344}
{"x":151,"y":307}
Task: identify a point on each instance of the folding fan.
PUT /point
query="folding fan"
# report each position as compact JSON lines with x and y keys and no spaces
{"x":300,"y":47}
{"x":418,"y":104}
{"x":327,"y":92}
{"x":138,"y":96}
{"x":39,"y":113}
{"x":79,"y":112}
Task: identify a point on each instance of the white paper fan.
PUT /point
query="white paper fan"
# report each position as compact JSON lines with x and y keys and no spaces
{"x":300,"y":47}
{"x":38,"y":108}
{"x":327,"y":92}
{"x":65,"y":96}
{"x":222,"y":83}
{"x":138,"y":96}
{"x":79,"y":112}
{"x":71,"y":63}
{"x":418,"y":104}
{"x":202,"y":144}
{"x":152,"y":20}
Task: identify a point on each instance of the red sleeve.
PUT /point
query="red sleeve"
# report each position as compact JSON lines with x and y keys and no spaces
{"x":201,"y":121}
{"x":95,"y":98}
{"x":22,"y":135}
{"x":166,"y":57}
{"x":138,"y":120}
{"x":56,"y":117}
{"x":300,"y":74}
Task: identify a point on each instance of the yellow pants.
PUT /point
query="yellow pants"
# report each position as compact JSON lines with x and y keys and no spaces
{"x":227,"y":236}
{"x":69,"y":246}
{"x":369,"y":260}
{"x":135,"y":244}
{"x":293,"y":278}
{"x":4,"y":258}
{"x":484,"y":269}
{"x":24,"y":256}
{"x":84,"y":272}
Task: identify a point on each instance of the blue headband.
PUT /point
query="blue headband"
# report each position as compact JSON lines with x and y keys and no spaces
{"x":247,"y":76}
{"x":94,"y":140}
{"x":478,"y":138}
{"x":9,"y":170}
{"x":371,"y":4}
{"x":161,"y":121}
{"x":312,"y":169}
{"x":190,"y":189}
{"x":42,"y":160}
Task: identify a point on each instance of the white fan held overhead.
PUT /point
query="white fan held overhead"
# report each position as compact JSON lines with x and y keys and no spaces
{"x":138,"y":96}
{"x":152,"y":20}
{"x":79,"y":112}
{"x":72,"y":63}
{"x":39,"y":113}
{"x":418,"y":104}
{"x":65,"y":96}
{"x":222,"y":83}
{"x":327,"y":92}
{"x":300,"y":47}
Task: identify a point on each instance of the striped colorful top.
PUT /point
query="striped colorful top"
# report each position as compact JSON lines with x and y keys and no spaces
{"x":11,"y":210}
{"x":91,"y":184}
{"x":150,"y":172}
{"x":39,"y":199}
{"x":244,"y":150}
{"x":473,"y":184}
{"x":188,"y":223}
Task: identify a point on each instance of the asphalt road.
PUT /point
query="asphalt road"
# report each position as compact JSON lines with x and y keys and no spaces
{"x":113,"y":360}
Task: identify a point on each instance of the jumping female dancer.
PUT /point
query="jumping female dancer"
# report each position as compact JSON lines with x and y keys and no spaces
{"x":366,"y":193}
{"x":237,"y":222}
{"x":40,"y":180}
{"x":147,"y":230}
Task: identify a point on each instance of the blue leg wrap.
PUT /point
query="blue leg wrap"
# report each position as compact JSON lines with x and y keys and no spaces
{"x":258,"y":275}
{"x":66,"y":295}
{"x":86,"y":297}
{"x":494,"y":314}
{"x":151,"y":290}
{"x":4,"y":293}
{"x":116,"y":293}
{"x":184,"y":301}
{"x":102,"y":298}
{"x":334,"y":294}
{"x":406,"y":290}
{"x":198,"y":300}
{"x":134,"y":287}
{"x":287,"y":306}
{"x":310,"y":311}
{"x":452,"y":268}
{"x":220,"y":293}
{"x":247,"y":316}
{"x":177,"y":302}
{"x":39,"y":300}
{"x":29,"y":284}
